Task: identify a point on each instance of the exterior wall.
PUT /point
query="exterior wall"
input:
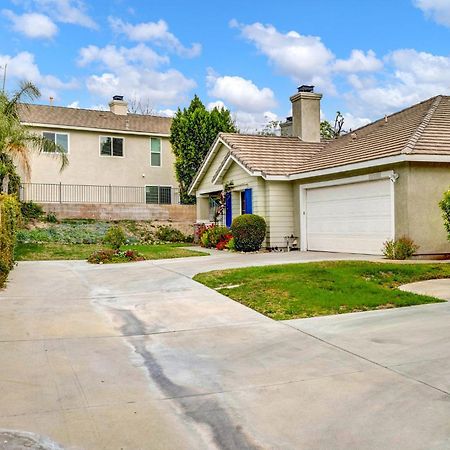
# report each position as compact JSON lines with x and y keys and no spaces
{"x":418,"y":191}
{"x":122,"y":211}
{"x":206,"y":185}
{"x":86,"y":166}
{"x":279,"y":212}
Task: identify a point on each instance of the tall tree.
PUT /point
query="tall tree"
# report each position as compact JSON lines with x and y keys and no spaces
{"x":193,"y":131}
{"x":16,"y":140}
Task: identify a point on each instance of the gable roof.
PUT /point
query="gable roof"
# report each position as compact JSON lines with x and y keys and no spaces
{"x":59,"y":116}
{"x":422,"y":129}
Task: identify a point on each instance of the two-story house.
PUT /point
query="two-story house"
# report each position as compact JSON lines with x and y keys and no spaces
{"x":114,"y":156}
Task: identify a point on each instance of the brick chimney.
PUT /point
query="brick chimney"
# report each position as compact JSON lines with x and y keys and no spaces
{"x":118,"y":105}
{"x":306,"y":114}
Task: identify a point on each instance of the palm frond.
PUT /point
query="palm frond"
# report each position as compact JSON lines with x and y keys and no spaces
{"x":27,"y":90}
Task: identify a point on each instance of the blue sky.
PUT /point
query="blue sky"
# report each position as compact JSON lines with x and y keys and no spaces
{"x":368,"y":58}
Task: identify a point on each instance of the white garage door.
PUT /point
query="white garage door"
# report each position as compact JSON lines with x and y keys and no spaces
{"x":352,"y":218}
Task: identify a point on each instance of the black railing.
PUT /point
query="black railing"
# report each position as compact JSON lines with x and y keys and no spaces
{"x":83,"y":193}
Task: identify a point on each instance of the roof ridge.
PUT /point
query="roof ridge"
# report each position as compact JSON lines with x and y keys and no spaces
{"x":409,"y":147}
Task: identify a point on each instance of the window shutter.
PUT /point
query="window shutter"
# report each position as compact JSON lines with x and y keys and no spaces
{"x":248,"y":202}
{"x":228,"y":210}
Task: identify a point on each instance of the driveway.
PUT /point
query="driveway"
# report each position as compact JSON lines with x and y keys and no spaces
{"x":139,"y":356}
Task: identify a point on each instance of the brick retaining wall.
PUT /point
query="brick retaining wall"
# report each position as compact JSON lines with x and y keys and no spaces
{"x":122,"y":211}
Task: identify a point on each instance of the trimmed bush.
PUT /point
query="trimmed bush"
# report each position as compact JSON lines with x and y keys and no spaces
{"x":249,"y":232}
{"x":115,"y":237}
{"x":9,"y":219}
{"x":402,"y":248}
{"x":445,"y":206}
{"x":166,"y":233}
{"x":31,"y":210}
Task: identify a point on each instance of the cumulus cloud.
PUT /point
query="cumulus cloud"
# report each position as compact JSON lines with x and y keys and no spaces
{"x":23,"y":67}
{"x":239,"y":92}
{"x":32,"y":25}
{"x":133,"y":72}
{"x":359,"y":62}
{"x":438,"y":10}
{"x":155,"y":32}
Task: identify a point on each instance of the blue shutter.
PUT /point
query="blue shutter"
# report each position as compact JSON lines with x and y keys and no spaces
{"x":248,"y":202}
{"x":228,"y":211}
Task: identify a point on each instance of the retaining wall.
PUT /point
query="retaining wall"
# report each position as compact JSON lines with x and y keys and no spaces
{"x":122,"y":211}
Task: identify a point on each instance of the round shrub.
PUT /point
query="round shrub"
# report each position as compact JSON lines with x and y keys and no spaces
{"x":115,"y":237}
{"x":249,"y":232}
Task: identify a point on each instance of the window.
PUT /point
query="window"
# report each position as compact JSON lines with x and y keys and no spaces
{"x":161,"y":195}
{"x":111,"y":146}
{"x":155,"y":152}
{"x":61,"y":139}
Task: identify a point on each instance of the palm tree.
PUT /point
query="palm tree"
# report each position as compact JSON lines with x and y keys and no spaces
{"x":16,"y":140}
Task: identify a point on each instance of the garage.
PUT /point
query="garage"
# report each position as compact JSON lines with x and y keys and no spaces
{"x":352,"y":217}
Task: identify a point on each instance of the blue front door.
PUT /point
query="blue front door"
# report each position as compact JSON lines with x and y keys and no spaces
{"x":228,"y":210}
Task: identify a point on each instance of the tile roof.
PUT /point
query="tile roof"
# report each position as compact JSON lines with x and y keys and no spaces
{"x":420,"y":129}
{"x":89,"y":118}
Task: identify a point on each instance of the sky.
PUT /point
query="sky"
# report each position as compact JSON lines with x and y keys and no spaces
{"x":367,"y":58}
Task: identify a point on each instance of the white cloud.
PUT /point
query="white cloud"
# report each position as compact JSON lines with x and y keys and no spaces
{"x":352,"y":123}
{"x":359,"y":62}
{"x":438,"y":10}
{"x":32,"y":25}
{"x":253,"y":122}
{"x":303,"y":58}
{"x":23,"y":67}
{"x":166,"y":112}
{"x":74,"y":104}
{"x":239,"y":92}
{"x":155,"y":32}
{"x":132,"y":72}
{"x":219,"y":104}
{"x":64,"y":11}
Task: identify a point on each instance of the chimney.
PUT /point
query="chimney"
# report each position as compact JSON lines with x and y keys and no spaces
{"x":118,"y":105}
{"x":306,"y":114}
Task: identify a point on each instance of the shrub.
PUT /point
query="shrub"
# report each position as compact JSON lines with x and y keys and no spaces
{"x":31,"y":210}
{"x":231,"y":244}
{"x":214,"y":234}
{"x":115,"y":237}
{"x":167,"y":233}
{"x":9,"y":219}
{"x":402,"y":248}
{"x":51,"y":218}
{"x":114,"y":256}
{"x":224,"y":240}
{"x":249,"y":232}
{"x":445,"y":206}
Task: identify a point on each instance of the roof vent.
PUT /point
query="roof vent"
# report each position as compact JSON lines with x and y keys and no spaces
{"x":305,"y":88}
{"x":118,"y":97}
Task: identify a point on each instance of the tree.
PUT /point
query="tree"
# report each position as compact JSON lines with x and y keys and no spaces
{"x":16,"y":140}
{"x":192,"y":133}
{"x":272,"y":128}
{"x":328,"y":131}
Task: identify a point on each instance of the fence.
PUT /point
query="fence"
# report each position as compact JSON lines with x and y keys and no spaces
{"x":78,"y":193}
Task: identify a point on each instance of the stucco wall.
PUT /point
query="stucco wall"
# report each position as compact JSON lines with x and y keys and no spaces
{"x":418,"y":191}
{"x":86,"y":166}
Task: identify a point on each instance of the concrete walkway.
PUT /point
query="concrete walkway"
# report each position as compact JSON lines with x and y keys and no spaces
{"x":139,"y":356}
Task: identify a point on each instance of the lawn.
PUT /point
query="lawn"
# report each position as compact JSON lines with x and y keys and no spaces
{"x":315,"y":289}
{"x":56,"y":251}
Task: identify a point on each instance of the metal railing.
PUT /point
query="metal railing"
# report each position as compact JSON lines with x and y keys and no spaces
{"x":83,"y":193}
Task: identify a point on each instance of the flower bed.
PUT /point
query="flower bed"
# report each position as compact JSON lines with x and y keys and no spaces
{"x":110,"y":256}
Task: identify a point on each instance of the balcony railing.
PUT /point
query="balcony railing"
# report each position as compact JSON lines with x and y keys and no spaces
{"x":82,"y":193}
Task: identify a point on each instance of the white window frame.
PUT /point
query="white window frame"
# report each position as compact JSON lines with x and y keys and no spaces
{"x":160,"y":152}
{"x":112,"y":137}
{"x":376,"y":176}
{"x":55,"y":133}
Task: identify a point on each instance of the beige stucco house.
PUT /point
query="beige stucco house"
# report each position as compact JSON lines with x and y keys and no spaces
{"x":129,"y":152}
{"x":350,"y":194}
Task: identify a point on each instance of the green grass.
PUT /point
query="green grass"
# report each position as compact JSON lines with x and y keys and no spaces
{"x":54,"y":251}
{"x":315,"y":289}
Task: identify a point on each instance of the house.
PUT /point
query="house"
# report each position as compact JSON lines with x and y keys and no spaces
{"x":350,"y":194}
{"x":114,"y":156}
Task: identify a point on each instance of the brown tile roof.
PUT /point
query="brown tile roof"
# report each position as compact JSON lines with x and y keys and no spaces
{"x":89,"y":118}
{"x":272,"y":155}
{"x":421,"y":129}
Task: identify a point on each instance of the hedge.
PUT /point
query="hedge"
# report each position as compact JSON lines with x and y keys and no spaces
{"x":249,"y":232}
{"x":9,"y":221}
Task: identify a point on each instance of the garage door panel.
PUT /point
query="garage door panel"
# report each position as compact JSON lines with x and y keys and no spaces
{"x":353,"y":218}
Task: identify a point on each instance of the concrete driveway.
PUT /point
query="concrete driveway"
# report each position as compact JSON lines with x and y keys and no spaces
{"x":139,"y":356}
